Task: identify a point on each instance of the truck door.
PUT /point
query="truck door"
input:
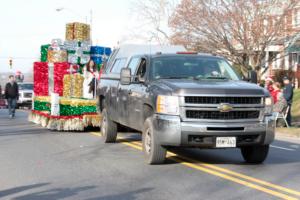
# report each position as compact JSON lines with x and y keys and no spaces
{"x":124,"y":92}
{"x":114,"y":88}
{"x":137,"y":96}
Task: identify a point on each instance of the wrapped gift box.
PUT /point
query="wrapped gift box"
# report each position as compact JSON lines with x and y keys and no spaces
{"x":40,"y":78}
{"x":57,"y":55}
{"x":78,"y":52}
{"x":77,"y":31}
{"x":73,"y":85}
{"x":44,"y":52}
{"x":48,"y":77}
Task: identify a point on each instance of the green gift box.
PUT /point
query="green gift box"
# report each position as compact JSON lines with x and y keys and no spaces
{"x":44,"y":52}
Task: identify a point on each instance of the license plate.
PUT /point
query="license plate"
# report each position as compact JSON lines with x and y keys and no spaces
{"x":223,"y":142}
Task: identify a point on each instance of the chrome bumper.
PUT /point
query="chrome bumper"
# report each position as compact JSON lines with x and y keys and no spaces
{"x":173,"y":132}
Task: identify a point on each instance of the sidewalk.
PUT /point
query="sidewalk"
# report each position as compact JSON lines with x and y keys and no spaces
{"x":288,"y":132}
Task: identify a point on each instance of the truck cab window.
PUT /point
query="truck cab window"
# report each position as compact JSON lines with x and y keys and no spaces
{"x":134,"y":63}
{"x":118,"y":65}
{"x":141,"y":70}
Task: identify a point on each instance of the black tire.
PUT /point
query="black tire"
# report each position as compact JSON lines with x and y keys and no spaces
{"x":109,"y":128}
{"x":153,"y":151}
{"x":255,"y":154}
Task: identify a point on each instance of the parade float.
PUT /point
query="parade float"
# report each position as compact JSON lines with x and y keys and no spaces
{"x":63,"y":99}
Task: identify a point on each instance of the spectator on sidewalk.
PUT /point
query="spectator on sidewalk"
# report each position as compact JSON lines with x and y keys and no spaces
{"x":276,"y":92}
{"x":12,"y":95}
{"x":269,"y":84}
{"x":280,"y":105}
{"x":288,"y":95}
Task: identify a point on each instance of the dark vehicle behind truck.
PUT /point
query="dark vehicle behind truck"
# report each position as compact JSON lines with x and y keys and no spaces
{"x":185,"y":100}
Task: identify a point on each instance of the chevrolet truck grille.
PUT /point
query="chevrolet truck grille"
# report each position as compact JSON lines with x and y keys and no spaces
{"x":218,"y":100}
{"x":217,"y":115}
{"x":27,"y":95}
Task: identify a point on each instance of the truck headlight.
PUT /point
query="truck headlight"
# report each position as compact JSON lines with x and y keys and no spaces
{"x":268,"y":106}
{"x":167,"y":105}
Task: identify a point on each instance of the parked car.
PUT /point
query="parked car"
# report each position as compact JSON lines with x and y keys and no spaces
{"x":25,"y":94}
{"x":185,"y":100}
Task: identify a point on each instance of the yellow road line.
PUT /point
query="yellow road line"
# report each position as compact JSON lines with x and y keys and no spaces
{"x":224,"y":176}
{"x":96,"y":134}
{"x":208,"y":168}
{"x":249,"y":178}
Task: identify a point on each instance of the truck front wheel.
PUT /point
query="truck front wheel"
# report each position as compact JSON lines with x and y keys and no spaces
{"x":255,"y":154}
{"x":108,"y":128}
{"x":153,"y":151}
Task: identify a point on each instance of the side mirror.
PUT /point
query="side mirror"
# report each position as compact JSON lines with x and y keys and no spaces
{"x":252,"y":76}
{"x":125,"y":78}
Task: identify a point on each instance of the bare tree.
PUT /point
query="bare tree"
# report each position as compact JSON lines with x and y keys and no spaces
{"x":153,"y":19}
{"x":239,"y":30}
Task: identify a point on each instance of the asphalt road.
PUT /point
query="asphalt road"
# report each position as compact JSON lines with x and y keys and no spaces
{"x":39,"y":164}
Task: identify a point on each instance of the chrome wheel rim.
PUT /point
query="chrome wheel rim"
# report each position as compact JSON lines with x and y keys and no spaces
{"x":147,"y":141}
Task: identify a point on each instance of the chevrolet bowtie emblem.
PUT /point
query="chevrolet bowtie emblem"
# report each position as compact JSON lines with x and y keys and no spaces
{"x":225,"y":107}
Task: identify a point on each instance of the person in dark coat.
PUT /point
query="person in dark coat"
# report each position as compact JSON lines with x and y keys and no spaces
{"x":288,"y":93}
{"x":12,"y":95}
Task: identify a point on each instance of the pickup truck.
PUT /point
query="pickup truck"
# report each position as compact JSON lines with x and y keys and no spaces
{"x":185,"y":100}
{"x":25,"y":94}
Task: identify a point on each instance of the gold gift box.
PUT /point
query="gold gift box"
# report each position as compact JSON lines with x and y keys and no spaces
{"x":77,"y":31}
{"x":73,"y":85}
{"x":57,"y":55}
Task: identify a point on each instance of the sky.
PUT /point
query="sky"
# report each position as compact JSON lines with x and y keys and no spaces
{"x":27,"y":24}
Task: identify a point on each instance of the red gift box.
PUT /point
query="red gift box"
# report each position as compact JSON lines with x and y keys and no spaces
{"x":40,"y":78}
{"x":43,"y":77}
{"x":60,"y":69}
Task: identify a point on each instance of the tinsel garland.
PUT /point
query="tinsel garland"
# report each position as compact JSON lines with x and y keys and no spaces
{"x":68,"y":101}
{"x":77,"y":102}
{"x":64,"y":123}
{"x":41,"y":106}
{"x":66,"y":110}
{"x":42,"y":98}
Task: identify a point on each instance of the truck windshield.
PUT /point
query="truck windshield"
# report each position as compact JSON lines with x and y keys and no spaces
{"x":26,"y":86}
{"x":191,"y":67}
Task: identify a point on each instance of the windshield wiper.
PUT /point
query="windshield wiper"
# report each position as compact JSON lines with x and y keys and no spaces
{"x":216,"y":77}
{"x":212,"y":77}
{"x":174,"y":77}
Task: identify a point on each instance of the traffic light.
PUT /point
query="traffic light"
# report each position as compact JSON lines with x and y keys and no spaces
{"x":10,"y":63}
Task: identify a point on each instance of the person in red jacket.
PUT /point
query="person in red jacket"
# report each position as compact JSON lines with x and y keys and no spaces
{"x":269,"y":84}
{"x":276,"y":92}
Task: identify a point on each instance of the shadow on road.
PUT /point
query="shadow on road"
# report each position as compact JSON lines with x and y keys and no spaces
{"x":56,"y":193}
{"x":124,"y":196}
{"x":15,"y":190}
